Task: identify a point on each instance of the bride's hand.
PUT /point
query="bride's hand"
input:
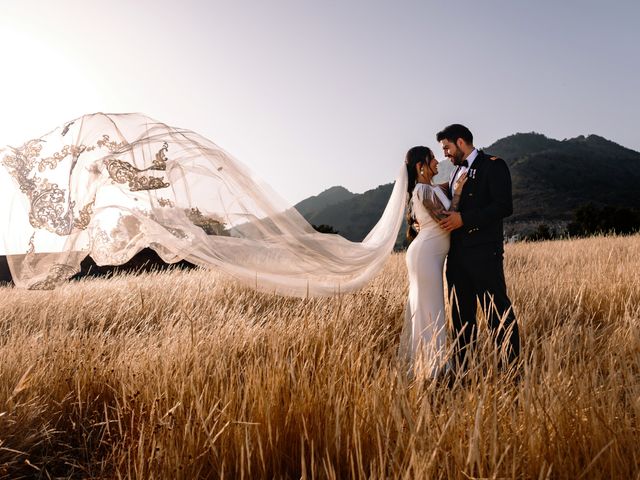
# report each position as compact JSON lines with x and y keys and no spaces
{"x":457,"y":189}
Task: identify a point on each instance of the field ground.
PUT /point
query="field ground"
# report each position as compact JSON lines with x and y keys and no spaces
{"x":189,"y":375}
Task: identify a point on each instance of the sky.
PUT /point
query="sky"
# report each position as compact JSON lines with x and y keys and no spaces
{"x":312,"y":94}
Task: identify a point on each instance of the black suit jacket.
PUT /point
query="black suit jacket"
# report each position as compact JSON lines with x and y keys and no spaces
{"x":486,"y":200}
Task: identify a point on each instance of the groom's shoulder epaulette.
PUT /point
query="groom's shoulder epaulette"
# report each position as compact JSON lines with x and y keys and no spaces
{"x":493,"y":158}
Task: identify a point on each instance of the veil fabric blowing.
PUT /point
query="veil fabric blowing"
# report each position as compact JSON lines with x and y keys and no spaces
{"x":110,"y":185}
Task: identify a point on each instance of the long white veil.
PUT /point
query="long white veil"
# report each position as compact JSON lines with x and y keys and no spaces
{"x":111,"y":185}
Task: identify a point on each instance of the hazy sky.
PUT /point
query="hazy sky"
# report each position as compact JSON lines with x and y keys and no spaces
{"x":312,"y":94}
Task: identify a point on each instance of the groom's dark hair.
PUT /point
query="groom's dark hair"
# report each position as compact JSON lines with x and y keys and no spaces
{"x":454,"y":132}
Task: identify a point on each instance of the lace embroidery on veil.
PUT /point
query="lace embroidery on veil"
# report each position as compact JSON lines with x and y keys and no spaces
{"x":109,"y":185}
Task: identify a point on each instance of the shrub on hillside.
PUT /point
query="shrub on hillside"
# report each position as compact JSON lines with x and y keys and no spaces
{"x":591,"y":219}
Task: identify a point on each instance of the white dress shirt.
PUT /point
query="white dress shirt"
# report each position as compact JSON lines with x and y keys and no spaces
{"x":459,"y":171}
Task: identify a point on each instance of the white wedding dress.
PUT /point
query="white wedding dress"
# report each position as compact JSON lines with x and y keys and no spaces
{"x":109,"y":185}
{"x":424,"y":337}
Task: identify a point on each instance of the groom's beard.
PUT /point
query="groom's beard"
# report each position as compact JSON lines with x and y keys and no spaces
{"x":457,"y":157}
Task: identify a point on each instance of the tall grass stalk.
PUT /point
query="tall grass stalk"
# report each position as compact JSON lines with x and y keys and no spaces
{"x":189,"y":375}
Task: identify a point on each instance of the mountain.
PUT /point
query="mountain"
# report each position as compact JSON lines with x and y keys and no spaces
{"x":355,"y":216}
{"x":551,"y":178}
{"x":521,"y":144}
{"x":312,"y":205}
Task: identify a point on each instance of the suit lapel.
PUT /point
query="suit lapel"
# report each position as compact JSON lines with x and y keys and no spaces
{"x":478,"y":162}
{"x":451,"y":180}
{"x":469,"y":187}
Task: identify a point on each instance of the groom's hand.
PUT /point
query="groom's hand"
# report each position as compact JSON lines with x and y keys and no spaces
{"x":452,"y":221}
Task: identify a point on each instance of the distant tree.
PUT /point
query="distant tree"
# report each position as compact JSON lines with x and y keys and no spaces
{"x":586,"y":220}
{"x":591,"y":220}
{"x":325,"y":228}
{"x":543,"y":232}
{"x":146,"y":260}
{"x":5,"y":273}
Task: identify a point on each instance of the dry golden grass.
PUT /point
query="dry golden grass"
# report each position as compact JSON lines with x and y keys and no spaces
{"x":188,"y":375}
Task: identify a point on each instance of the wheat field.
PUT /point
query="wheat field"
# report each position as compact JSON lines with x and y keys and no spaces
{"x":189,"y":375}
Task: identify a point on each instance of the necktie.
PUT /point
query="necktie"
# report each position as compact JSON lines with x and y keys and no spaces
{"x":464,"y":164}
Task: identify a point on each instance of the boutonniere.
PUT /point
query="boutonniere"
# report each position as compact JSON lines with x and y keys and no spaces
{"x":472,"y":173}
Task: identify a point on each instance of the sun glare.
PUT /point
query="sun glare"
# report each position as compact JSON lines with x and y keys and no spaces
{"x":40,"y":85}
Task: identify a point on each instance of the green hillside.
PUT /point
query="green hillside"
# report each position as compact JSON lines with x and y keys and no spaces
{"x":551,"y":178}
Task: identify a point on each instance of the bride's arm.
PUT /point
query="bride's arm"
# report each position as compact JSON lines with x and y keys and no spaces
{"x":432,"y":203}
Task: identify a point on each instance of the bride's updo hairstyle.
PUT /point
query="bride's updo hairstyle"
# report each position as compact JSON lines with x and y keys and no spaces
{"x":415,"y":155}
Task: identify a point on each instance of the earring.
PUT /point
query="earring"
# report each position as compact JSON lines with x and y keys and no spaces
{"x":421,"y":172}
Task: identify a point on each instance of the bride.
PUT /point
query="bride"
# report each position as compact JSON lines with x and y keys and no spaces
{"x":424,"y":334}
{"x":110,"y":185}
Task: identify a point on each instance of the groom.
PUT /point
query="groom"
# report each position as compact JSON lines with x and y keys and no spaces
{"x":474,"y":264}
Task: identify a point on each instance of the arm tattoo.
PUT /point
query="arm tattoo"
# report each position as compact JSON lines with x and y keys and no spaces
{"x":434,"y":206}
{"x":455,"y":203}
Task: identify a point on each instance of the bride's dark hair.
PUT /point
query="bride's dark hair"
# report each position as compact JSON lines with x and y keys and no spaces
{"x":414,"y":156}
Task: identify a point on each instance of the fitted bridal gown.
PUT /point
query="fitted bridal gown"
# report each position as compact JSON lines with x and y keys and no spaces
{"x":424,"y":343}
